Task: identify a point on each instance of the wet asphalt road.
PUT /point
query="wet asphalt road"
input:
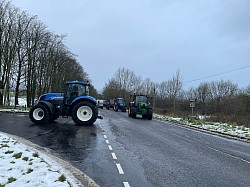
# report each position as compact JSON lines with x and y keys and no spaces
{"x":120,"y":151}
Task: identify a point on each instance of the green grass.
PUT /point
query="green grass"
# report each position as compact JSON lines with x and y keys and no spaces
{"x":25,"y":158}
{"x":62,"y":178}
{"x":11,"y":179}
{"x":3,"y":145}
{"x":29,"y":170}
{"x":9,"y":152}
{"x":16,"y":108}
{"x":35,"y":155}
{"x":18,"y":155}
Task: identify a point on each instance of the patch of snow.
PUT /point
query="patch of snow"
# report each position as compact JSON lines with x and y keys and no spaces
{"x":20,"y":165}
{"x":232,"y":130}
{"x":21,"y":102}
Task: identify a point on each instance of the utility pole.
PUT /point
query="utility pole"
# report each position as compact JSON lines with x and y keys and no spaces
{"x":154,"y":99}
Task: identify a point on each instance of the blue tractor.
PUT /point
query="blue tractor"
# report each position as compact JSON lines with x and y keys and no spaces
{"x":75,"y":102}
{"x":120,"y":104}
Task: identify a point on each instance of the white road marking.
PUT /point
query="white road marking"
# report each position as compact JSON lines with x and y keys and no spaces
{"x":21,"y":115}
{"x":110,"y":148}
{"x":105,"y":136}
{"x":107,"y":141}
{"x":126,"y":184}
{"x":120,"y":170}
{"x":114,"y":156}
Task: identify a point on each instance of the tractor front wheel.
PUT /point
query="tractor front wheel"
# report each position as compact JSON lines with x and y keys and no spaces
{"x":39,"y":114}
{"x":133,"y":112}
{"x":84,"y":113}
{"x":149,"y":116}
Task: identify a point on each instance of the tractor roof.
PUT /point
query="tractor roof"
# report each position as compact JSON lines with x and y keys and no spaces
{"x":78,"y":82}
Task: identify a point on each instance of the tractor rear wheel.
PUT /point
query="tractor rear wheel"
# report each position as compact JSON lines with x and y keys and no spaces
{"x":39,"y":114}
{"x":84,"y":113}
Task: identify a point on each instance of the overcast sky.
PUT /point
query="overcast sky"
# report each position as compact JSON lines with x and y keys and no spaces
{"x":153,"y":38}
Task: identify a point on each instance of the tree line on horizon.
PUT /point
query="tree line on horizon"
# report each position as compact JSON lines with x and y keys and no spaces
{"x":32,"y":58}
{"x":223,"y":100}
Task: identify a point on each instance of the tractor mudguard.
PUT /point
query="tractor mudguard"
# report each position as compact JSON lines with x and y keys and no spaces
{"x":51,"y":107}
{"x":92,"y":99}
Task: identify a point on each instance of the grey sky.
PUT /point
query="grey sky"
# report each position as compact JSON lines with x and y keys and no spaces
{"x":153,"y":38}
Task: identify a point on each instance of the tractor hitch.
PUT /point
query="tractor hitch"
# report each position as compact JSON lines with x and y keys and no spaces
{"x":99,"y":117}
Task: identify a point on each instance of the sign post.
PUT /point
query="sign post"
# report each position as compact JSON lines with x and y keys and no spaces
{"x":192,"y":105}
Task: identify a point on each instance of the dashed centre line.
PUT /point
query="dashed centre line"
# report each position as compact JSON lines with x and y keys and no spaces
{"x":120,"y":170}
{"x":110,"y":148}
{"x":119,"y":167}
{"x":114,"y":156}
{"x":126,"y":184}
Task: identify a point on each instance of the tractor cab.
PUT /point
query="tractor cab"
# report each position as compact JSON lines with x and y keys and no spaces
{"x":74,"y":90}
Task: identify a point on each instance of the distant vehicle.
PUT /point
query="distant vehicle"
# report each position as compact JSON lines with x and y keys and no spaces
{"x":100,"y":103}
{"x":120,"y":105}
{"x":110,"y":104}
{"x":75,"y":102}
{"x":140,"y":106}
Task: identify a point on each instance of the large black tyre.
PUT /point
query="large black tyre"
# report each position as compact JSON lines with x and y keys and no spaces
{"x":84,"y":113}
{"x":39,"y":114}
{"x":149,"y":116}
{"x":115,"y":108}
{"x":133,"y":112}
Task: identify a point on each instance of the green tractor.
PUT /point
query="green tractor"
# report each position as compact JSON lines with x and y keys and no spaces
{"x":140,"y":106}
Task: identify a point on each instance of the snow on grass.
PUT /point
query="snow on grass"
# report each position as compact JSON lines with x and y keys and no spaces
{"x":17,"y":110}
{"x":12,"y":108}
{"x":22,"y":166}
{"x":21,"y":101}
{"x":224,"y":128}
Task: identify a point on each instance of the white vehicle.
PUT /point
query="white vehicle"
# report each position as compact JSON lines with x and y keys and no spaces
{"x":100,"y":103}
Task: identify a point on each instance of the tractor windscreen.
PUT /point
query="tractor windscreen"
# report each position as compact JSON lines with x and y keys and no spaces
{"x":120,"y":101}
{"x":141,"y":99}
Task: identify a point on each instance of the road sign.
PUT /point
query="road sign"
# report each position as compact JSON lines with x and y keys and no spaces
{"x":192,"y":105}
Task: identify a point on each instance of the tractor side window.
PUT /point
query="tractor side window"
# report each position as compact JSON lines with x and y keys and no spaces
{"x":82,"y":89}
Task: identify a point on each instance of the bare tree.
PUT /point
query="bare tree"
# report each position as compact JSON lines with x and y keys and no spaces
{"x":221,"y":92}
{"x":202,"y":96}
{"x":32,"y":58}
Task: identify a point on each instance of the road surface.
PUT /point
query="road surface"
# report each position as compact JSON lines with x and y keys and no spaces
{"x":121,"y":151}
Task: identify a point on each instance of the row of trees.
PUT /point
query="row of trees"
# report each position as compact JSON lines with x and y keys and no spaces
{"x":222,"y":99}
{"x":32,"y":58}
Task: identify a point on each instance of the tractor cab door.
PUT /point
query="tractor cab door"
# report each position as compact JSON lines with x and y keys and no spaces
{"x":72,"y":91}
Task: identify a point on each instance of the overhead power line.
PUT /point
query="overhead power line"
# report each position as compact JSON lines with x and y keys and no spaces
{"x":218,"y":74}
